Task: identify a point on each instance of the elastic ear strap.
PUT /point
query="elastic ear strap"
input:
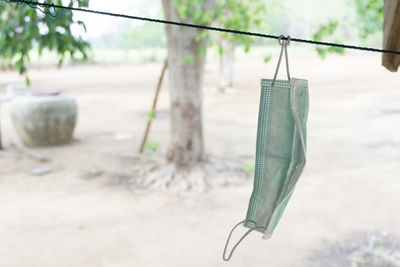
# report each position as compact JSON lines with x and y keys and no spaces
{"x":287,"y":58}
{"x":277,"y":67}
{"x":240,"y":240}
{"x":284,"y":44}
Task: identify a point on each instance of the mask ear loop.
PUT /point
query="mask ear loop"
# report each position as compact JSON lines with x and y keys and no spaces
{"x":284,"y":43}
{"x":240,"y":240}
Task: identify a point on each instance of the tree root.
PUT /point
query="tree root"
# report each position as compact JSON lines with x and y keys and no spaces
{"x":212,"y":172}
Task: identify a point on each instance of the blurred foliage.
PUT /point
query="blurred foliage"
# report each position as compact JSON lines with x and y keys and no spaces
{"x":232,"y":14}
{"x":327,"y":29}
{"x":369,"y":16}
{"x":24,"y":28}
{"x":368,"y":20}
{"x":144,"y":36}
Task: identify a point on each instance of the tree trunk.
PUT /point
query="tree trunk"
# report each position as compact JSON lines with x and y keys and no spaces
{"x":391,"y":34}
{"x":186,"y":69}
{"x":226,"y":65}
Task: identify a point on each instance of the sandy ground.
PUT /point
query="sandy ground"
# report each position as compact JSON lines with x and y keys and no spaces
{"x":83,"y":214}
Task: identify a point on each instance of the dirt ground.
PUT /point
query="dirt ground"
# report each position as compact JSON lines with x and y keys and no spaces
{"x":84,"y":213}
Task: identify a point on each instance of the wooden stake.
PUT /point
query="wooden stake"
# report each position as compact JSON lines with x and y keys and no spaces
{"x":153,"y":107}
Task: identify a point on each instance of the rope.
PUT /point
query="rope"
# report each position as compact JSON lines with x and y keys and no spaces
{"x":203,"y":27}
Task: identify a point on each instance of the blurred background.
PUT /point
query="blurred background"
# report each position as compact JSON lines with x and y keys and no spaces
{"x":85,"y":181}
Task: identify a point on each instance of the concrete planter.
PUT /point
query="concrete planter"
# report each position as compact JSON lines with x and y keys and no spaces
{"x":43,"y":120}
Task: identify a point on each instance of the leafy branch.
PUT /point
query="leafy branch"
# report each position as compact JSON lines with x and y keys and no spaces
{"x":24,"y":28}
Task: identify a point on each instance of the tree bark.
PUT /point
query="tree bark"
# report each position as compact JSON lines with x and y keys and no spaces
{"x":226,"y":66}
{"x":186,"y":70}
{"x":391,"y":34}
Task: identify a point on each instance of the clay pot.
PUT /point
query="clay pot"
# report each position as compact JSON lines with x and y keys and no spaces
{"x":43,"y":120}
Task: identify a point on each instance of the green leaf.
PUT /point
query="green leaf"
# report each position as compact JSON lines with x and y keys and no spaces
{"x":60,"y":61}
{"x":151,"y":146}
{"x":82,"y":24}
{"x":220,"y":49}
{"x":267,"y":59}
{"x":27,"y":81}
{"x":182,"y":11}
{"x":202,"y":50}
{"x":188,"y":59}
{"x":321,"y":52}
{"x":151,"y":115}
{"x":249,"y":167}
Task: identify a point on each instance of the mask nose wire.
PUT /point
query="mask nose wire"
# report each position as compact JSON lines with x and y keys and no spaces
{"x":284,"y":44}
{"x":240,"y":240}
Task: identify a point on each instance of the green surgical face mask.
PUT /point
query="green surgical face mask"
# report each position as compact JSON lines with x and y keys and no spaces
{"x":280,"y":152}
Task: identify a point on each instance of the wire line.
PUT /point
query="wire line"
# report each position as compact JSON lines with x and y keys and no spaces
{"x":203,"y":27}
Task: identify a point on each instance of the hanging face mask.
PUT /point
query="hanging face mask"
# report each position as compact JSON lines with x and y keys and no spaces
{"x":280,"y":152}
